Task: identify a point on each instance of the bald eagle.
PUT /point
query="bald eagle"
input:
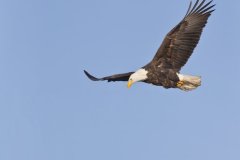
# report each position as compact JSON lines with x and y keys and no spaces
{"x":177,"y":47}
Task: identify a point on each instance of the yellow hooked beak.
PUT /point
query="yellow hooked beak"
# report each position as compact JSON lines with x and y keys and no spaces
{"x":130,"y":82}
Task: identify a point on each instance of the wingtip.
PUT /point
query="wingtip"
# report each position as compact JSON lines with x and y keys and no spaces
{"x":91,"y":77}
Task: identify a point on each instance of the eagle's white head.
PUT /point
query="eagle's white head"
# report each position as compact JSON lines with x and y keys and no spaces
{"x":139,"y":75}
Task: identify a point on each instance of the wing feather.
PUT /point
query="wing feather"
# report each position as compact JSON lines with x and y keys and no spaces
{"x":180,"y":42}
{"x":112,"y":78}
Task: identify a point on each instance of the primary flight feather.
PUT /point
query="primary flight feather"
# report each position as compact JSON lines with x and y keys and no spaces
{"x":174,"y":52}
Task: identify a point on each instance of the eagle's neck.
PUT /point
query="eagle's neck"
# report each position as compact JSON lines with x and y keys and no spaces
{"x":139,"y":75}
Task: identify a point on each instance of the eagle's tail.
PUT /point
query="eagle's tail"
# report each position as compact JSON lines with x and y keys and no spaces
{"x":188,"y":82}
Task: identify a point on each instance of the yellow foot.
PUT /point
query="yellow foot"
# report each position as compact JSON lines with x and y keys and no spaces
{"x":180,"y":83}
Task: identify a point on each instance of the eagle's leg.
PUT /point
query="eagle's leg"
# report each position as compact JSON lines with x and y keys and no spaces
{"x":180,"y":83}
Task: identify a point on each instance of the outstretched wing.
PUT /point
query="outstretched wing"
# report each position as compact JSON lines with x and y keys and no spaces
{"x":180,"y":42}
{"x":113,"y":78}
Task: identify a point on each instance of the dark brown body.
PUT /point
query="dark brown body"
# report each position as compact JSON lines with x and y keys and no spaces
{"x":159,"y":76}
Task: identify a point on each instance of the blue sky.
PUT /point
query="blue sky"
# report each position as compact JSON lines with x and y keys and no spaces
{"x":50,"y":110}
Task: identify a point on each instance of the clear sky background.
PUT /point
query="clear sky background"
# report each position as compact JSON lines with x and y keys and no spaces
{"x":49,"y":110}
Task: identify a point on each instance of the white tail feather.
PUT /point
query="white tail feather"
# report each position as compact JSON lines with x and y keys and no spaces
{"x":189,"y":82}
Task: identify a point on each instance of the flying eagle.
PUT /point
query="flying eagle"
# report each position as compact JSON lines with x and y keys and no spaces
{"x":176,"y":48}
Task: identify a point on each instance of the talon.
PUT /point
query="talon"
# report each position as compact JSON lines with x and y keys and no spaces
{"x":180,"y":83}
